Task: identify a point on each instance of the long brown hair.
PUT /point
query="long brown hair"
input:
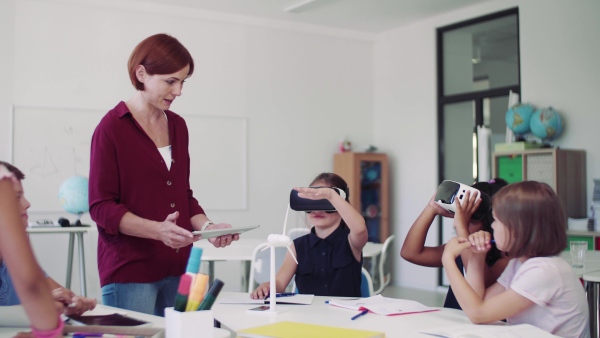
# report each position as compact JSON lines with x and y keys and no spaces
{"x":534,"y":219}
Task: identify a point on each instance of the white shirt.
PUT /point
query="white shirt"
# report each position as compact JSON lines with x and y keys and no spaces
{"x":560,"y":303}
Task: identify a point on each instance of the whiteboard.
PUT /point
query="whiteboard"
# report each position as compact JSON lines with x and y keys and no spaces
{"x":50,"y":144}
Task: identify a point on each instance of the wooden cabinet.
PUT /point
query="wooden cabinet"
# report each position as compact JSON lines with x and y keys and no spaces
{"x":367,"y":175}
{"x":564,"y":170}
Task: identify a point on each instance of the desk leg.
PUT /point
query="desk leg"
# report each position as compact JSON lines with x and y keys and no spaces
{"x":592,"y":292}
{"x":70,"y":261}
{"x":81,"y":264}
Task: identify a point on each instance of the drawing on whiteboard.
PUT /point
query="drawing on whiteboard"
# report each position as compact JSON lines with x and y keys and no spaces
{"x":45,"y":165}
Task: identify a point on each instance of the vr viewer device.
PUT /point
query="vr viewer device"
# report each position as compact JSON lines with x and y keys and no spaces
{"x":448,"y":191}
{"x":304,"y":204}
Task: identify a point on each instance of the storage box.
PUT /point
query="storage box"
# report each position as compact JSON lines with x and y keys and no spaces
{"x":510,"y":168}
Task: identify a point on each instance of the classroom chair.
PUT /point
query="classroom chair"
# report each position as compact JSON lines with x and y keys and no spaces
{"x":260,"y":266}
{"x":384,"y":268}
{"x":366,"y":284}
{"x":297,"y":232}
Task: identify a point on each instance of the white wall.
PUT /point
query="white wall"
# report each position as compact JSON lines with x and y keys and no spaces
{"x":559,"y":53}
{"x":300,"y":88}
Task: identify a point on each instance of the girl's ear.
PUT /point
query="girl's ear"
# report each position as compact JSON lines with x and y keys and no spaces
{"x":140,"y":73}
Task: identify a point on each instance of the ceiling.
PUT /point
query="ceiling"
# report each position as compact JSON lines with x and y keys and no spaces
{"x":369,"y":16}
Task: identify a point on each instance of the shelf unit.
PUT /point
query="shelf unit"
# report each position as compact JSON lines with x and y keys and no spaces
{"x":592,"y":237}
{"x":563,"y":170}
{"x":367,"y":175}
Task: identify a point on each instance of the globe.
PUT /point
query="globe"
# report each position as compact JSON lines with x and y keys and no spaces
{"x":518,"y":117}
{"x":546,"y":124}
{"x":73,"y":195}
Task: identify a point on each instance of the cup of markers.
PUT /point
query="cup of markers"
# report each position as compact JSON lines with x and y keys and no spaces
{"x":192,"y":293}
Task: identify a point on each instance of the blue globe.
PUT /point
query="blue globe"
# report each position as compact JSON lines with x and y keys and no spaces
{"x":518,"y":116}
{"x":546,"y":124}
{"x":73,"y":195}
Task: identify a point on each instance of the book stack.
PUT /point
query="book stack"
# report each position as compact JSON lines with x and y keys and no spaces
{"x":516,"y":146}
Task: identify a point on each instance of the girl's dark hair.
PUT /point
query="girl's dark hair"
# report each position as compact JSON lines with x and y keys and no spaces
{"x":159,"y":54}
{"x":490,"y":188}
{"x":534,"y":219}
{"x":18,"y":173}
{"x":335,"y":181}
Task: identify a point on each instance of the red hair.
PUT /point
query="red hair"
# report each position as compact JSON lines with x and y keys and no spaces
{"x":159,"y":54}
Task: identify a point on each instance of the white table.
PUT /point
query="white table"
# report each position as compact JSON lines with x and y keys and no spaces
{"x":72,"y":231}
{"x":156,"y":329}
{"x":234,"y":318}
{"x":243,"y":249}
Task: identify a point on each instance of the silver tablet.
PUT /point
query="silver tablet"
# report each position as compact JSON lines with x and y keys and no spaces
{"x":220,"y":232}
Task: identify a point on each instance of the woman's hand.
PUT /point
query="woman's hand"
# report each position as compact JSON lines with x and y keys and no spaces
{"x":316,"y":193}
{"x":173,"y":235}
{"x":480,"y":242}
{"x":454,"y":247}
{"x":438,"y":210}
{"x":261,"y":291}
{"x":225,"y":240}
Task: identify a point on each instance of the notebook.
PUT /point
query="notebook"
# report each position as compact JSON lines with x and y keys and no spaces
{"x":382,"y":305}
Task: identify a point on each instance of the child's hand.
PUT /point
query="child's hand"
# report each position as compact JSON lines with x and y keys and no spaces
{"x":261,"y":291}
{"x":80,"y":305}
{"x":439,"y":210}
{"x":465,"y":210}
{"x":63,"y":295}
{"x":315,"y":193}
{"x":480,"y":242}
{"x":454,"y":247}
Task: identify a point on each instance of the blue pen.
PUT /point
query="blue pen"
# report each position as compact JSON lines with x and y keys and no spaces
{"x":362,"y":313}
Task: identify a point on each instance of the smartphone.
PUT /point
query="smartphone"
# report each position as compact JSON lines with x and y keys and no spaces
{"x":260,"y":308}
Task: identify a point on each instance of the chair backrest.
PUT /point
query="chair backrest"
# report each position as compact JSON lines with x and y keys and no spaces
{"x":366,"y":284}
{"x":260,"y":266}
{"x":297,"y":232}
{"x":385,"y":265}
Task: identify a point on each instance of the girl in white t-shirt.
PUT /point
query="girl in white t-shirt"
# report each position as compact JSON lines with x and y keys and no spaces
{"x":537,"y":287}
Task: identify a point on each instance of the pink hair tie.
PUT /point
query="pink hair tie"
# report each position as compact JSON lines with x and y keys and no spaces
{"x":492,"y":181}
{"x":58,"y":332}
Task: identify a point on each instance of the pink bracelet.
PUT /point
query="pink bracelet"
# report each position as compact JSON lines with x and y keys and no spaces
{"x":58,"y":332}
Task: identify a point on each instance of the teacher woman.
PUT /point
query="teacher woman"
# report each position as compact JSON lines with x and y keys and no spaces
{"x":139,"y":189}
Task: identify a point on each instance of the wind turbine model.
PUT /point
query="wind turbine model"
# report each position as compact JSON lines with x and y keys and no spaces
{"x":275,"y":240}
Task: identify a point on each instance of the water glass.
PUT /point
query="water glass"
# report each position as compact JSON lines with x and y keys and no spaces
{"x":578,"y":252}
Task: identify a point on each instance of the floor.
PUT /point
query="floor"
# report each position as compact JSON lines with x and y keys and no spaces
{"x":429,"y":298}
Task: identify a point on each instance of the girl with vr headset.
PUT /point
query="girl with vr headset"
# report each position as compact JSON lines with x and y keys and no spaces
{"x":415,"y":251}
{"x":537,"y":287}
{"x":330,"y":256}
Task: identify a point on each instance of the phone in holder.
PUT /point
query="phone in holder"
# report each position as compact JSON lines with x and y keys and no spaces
{"x":260,"y":308}
{"x":448,"y":191}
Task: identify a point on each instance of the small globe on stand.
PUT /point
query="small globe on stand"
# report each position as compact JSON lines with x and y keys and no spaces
{"x":517,"y":118}
{"x":546,"y":124}
{"x":73,"y":196}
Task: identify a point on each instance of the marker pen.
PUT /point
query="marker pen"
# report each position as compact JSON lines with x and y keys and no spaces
{"x":197,"y":292}
{"x":182,"y":292}
{"x":193,"y":265}
{"x":211,"y":295}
